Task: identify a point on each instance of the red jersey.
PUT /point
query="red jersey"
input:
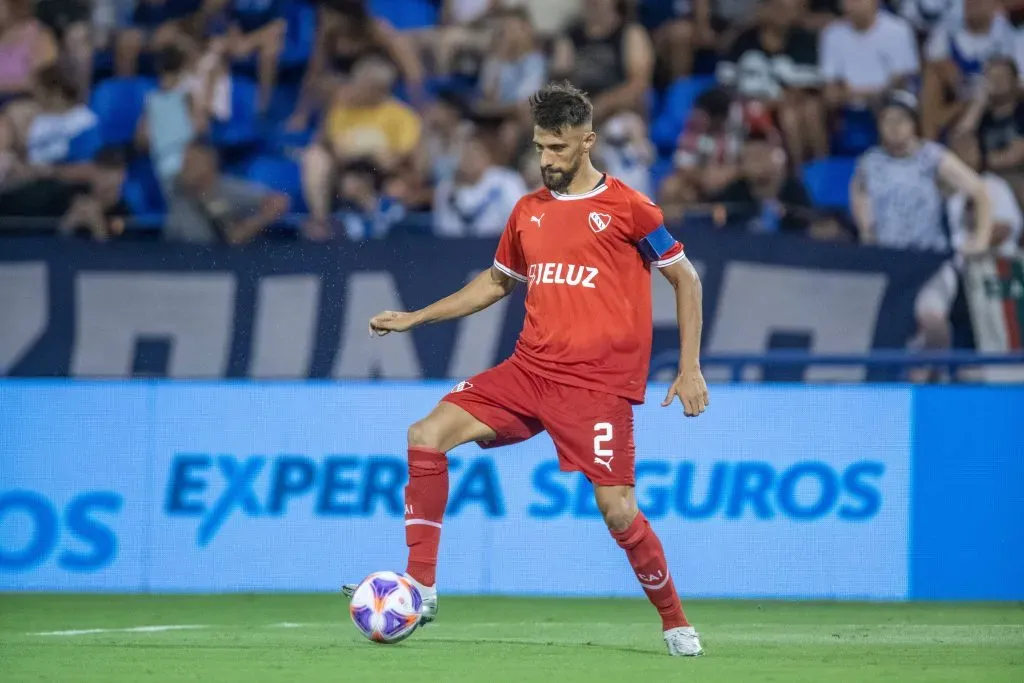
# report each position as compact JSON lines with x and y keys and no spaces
{"x":586,"y":260}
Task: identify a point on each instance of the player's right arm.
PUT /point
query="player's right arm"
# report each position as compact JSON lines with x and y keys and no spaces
{"x":485,"y":289}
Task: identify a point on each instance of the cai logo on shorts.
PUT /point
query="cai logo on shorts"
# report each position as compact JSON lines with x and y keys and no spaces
{"x":76,"y":536}
{"x":216,"y":489}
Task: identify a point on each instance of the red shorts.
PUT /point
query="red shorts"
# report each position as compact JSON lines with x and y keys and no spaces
{"x":592,"y":431}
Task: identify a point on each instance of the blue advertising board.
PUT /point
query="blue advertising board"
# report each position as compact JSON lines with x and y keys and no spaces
{"x":778,"y":491}
{"x":300,"y":310}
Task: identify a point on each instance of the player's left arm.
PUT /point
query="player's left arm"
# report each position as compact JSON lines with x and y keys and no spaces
{"x":659,"y":248}
{"x":689,"y":384}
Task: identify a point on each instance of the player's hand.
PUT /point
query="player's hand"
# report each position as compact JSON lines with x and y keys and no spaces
{"x":692,"y":391}
{"x":391,"y":321}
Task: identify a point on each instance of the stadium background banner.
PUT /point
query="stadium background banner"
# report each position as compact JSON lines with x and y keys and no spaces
{"x":291,"y":310}
{"x":778,"y":491}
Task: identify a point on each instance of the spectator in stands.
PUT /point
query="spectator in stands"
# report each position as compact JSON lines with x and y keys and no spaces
{"x":154,"y":25}
{"x":26,"y":47}
{"x":256,"y":27}
{"x":862,"y":57}
{"x":1007,"y":221}
{"x":463,"y":31}
{"x":928,"y":15}
{"x":101,"y":211}
{"x":514,"y":70}
{"x":479,"y":200}
{"x":956,"y":56}
{"x":774,"y":65}
{"x":208,"y":207}
{"x":365,"y":209}
{"x":897,"y":201}
{"x":345,"y":33}
{"x":996,"y":118}
{"x":365,"y":122}
{"x":936,"y":305}
{"x":608,"y":57}
{"x":174,"y":115}
{"x":816,"y":15}
{"x":64,"y":132}
{"x":708,"y":153}
{"x":89,"y":199}
{"x":766,"y":197}
{"x":624,"y":150}
{"x":444,"y":133}
{"x":71,"y":23}
{"x":548,"y":18}
{"x":895,"y":194}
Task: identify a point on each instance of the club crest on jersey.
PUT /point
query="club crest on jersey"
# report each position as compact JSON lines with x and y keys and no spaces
{"x":599,"y":221}
{"x":461,"y":386}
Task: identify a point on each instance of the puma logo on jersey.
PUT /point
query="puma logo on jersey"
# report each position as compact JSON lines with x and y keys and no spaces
{"x":562,"y":274}
{"x":537,"y":220}
{"x":599,"y":221}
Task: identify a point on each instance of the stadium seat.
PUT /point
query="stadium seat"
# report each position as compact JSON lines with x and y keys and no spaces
{"x":280,"y":174}
{"x":675,"y":111}
{"x":298,"y":41}
{"x":118,"y":103}
{"x":406,"y":15}
{"x":828,"y":181}
{"x":242,"y":129}
{"x":141,"y":190}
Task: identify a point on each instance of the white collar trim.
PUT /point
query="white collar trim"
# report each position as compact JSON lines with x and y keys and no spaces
{"x":586,"y":195}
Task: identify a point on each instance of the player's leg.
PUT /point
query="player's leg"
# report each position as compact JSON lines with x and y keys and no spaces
{"x":593,"y":433}
{"x":634,"y":534}
{"x":426,"y":494}
{"x":493,"y":409}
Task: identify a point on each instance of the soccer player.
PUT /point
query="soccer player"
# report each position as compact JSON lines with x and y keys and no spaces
{"x":584,"y":246}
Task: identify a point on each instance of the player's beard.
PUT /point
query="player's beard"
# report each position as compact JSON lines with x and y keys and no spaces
{"x":558,"y":180}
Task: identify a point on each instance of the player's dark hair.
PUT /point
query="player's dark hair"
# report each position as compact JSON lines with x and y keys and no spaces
{"x":558,"y":106}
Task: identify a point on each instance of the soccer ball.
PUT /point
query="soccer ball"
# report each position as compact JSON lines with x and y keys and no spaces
{"x":386,"y":607}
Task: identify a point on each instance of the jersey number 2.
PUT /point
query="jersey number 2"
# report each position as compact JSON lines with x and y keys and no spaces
{"x":605,"y":435}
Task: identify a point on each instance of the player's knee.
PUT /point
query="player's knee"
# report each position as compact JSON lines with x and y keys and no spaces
{"x":424,"y":434}
{"x":618,"y":509}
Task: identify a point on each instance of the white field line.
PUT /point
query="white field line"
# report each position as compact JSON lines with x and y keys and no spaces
{"x":133,"y":629}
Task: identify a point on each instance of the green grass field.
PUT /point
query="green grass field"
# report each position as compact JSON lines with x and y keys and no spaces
{"x":309,"y":639}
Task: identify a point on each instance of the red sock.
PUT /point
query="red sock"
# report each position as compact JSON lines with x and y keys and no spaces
{"x":426,"y":496}
{"x":647,"y":558}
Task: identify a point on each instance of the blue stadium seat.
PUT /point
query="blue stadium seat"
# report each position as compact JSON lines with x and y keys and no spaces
{"x":141,"y":190}
{"x":280,"y":174}
{"x":298,"y":41}
{"x":242,"y":129}
{"x":828,"y":181}
{"x":675,"y":111}
{"x":118,"y":103}
{"x":406,"y":15}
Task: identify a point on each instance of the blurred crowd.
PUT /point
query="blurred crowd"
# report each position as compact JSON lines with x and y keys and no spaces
{"x":898,"y":123}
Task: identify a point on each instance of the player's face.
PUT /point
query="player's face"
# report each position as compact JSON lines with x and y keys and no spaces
{"x":561,"y":155}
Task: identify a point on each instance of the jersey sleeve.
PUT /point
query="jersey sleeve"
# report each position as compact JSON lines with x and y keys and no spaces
{"x":509,"y":257}
{"x":652,"y":238}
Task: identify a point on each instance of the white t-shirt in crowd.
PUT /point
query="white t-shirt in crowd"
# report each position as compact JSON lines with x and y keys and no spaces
{"x":868,"y":60}
{"x":1005,"y":210}
{"x":960,"y":45}
{"x":479,"y":210}
{"x":926,"y":15}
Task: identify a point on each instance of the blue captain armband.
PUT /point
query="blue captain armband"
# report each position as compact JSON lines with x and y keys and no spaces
{"x":657,"y":244}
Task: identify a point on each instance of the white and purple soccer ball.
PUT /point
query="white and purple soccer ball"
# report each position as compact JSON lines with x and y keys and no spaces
{"x":386,"y":607}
